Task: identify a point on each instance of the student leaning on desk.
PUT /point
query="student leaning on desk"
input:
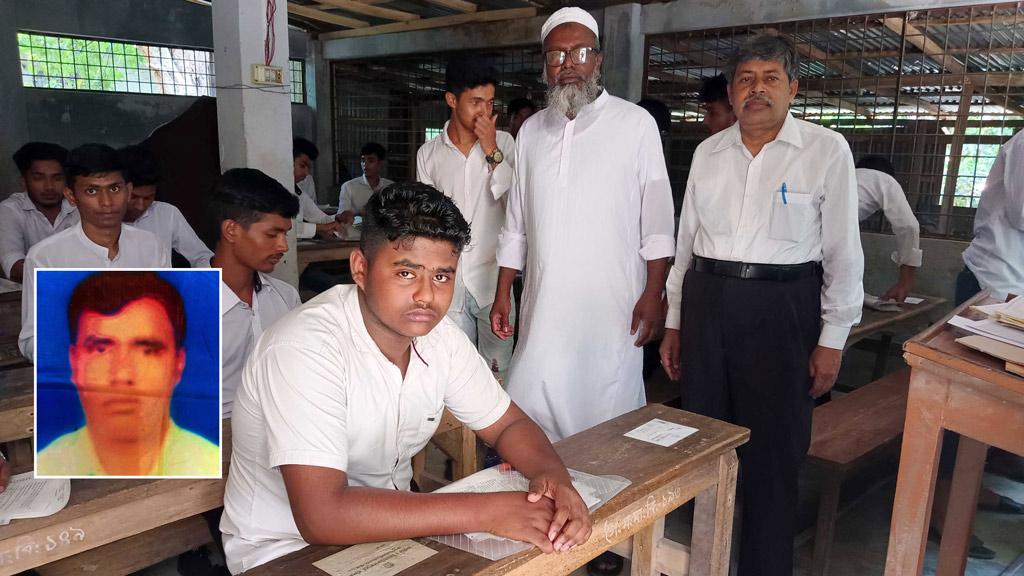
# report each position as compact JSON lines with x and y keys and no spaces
{"x":339,"y":394}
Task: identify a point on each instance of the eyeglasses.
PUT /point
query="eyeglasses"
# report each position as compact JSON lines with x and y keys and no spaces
{"x":577,"y":55}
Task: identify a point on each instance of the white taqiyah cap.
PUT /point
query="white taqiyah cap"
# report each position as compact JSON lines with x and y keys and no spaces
{"x":567,"y":15}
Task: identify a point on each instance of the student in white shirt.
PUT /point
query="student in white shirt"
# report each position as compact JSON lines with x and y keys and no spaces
{"x":471,"y":162}
{"x":314,"y":221}
{"x":357,"y":191}
{"x":38,"y":212}
{"x":993,"y":261}
{"x":877,"y":189}
{"x":765,"y":287}
{"x":254,"y":214}
{"x":160,"y":218}
{"x":714,"y":99}
{"x":340,"y":394}
{"x":96,"y":186}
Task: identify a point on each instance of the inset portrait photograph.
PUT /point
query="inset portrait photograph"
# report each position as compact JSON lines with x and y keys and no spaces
{"x":128,"y":373}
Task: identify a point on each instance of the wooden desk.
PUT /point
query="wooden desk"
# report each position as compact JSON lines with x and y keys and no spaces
{"x":875,"y":322}
{"x":701,"y":467}
{"x":10,"y":327}
{"x":104,"y":511}
{"x":16,"y":405}
{"x":951,"y":388}
{"x":310,"y":251}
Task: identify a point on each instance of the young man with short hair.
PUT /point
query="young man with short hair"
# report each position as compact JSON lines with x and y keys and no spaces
{"x":357,"y":191}
{"x":253,"y":213}
{"x":519,"y":110}
{"x":95,"y":184}
{"x":339,"y":395}
{"x":315,"y":222}
{"x":471,"y":162}
{"x":714,"y":98}
{"x":40,"y":211}
{"x":160,"y":218}
{"x":127,"y":354}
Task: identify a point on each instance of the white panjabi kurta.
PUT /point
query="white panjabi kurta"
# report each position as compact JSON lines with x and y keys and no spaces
{"x":590,"y":204}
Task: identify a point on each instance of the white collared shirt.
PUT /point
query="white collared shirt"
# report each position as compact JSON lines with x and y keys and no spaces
{"x":878,"y":191}
{"x":167,"y":222}
{"x":356,"y":192}
{"x":734,"y":210}
{"x":22,"y":226}
{"x":479,"y":192}
{"x":309,"y":213}
{"x":996,"y":254}
{"x":317,"y":391}
{"x":242,"y":325}
{"x":72,"y":249}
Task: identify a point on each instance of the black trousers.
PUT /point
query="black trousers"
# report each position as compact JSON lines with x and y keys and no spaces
{"x":745,"y":351}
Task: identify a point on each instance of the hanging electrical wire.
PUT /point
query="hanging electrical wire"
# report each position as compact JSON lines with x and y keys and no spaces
{"x":270,"y":40}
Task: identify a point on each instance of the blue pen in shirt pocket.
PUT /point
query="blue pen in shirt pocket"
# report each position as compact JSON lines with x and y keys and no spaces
{"x":782,"y":192}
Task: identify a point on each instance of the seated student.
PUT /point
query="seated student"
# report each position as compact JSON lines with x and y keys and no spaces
{"x":357,"y":191}
{"x":95,"y":184}
{"x":877,"y":189}
{"x":340,"y":394}
{"x":38,"y":212}
{"x":253,"y":214}
{"x":315,"y":222}
{"x":127,"y":334}
{"x":160,"y":218}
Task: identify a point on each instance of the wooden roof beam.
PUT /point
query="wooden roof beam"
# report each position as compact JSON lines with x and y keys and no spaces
{"x":370,"y":10}
{"x":321,"y":16}
{"x":457,"y":5}
{"x":439,"y":22}
{"x":924,"y":43}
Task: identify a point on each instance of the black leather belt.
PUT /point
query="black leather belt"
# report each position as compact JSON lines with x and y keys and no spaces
{"x":776,"y":272}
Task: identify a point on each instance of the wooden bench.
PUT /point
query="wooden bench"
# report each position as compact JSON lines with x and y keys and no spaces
{"x":701,"y":467}
{"x":845,"y":431}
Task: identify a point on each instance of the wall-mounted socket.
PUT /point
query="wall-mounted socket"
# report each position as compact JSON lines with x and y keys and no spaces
{"x":262,"y":74}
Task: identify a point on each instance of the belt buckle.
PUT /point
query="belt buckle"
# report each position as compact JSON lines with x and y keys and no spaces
{"x":746,"y":270}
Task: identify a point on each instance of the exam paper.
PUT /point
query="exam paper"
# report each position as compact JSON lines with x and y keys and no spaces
{"x":991,"y":329}
{"x":913,"y":300}
{"x":874,"y":303}
{"x":660,"y":432}
{"x":375,"y":559}
{"x":27,"y":497}
{"x":595,"y":491}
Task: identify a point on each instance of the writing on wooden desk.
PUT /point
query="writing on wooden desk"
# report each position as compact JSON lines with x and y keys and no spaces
{"x":615,"y":529}
{"x":26,"y":546}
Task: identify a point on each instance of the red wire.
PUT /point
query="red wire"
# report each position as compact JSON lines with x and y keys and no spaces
{"x":270,"y":41}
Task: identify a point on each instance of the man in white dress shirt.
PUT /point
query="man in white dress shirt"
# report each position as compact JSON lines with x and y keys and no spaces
{"x":38,"y":212}
{"x":314,"y":221}
{"x":340,"y":394}
{"x":994,"y":259}
{"x":471,"y":162}
{"x":589,"y":222}
{"x":160,"y":218}
{"x":357,"y":191}
{"x":765,"y":287}
{"x":95,"y":184}
{"x":254,"y":213}
{"x":877,"y":189}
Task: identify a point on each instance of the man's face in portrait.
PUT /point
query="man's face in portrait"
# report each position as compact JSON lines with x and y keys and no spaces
{"x":125,"y":367}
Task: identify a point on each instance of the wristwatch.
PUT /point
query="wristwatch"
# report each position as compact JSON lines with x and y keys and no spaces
{"x":496,"y":157}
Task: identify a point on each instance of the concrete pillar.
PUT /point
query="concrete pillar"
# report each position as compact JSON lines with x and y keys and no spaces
{"x":318,"y":82}
{"x":623,"y":46}
{"x":255,"y":125}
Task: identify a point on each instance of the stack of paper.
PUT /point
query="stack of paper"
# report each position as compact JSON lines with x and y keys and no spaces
{"x":1001,"y":334}
{"x":27,"y":497}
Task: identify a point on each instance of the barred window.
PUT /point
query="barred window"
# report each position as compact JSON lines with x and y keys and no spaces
{"x":101,"y":65}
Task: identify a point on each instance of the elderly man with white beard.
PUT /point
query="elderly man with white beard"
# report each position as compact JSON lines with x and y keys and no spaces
{"x":589,"y":222}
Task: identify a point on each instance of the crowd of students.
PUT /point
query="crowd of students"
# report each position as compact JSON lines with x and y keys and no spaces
{"x":329,"y":400}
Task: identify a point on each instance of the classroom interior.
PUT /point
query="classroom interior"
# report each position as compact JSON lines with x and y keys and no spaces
{"x":936,"y":86}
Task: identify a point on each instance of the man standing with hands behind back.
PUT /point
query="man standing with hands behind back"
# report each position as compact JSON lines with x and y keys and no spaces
{"x":765,"y":287}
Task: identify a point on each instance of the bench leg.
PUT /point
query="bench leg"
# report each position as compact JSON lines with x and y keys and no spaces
{"x":881,"y":356}
{"x":644,"y":546}
{"x":712,"y":522}
{"x":828,"y":510}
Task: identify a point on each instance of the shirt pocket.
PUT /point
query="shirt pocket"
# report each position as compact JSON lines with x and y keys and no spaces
{"x":791,"y":220}
{"x":428,"y":426}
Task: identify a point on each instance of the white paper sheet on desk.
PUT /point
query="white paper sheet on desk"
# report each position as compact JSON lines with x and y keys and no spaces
{"x":375,"y":559}
{"x":8,"y":286}
{"x":873,"y":302}
{"x":991,"y":329}
{"x":913,"y":300}
{"x":26,"y":497}
{"x":595,"y":491}
{"x":660,"y":432}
